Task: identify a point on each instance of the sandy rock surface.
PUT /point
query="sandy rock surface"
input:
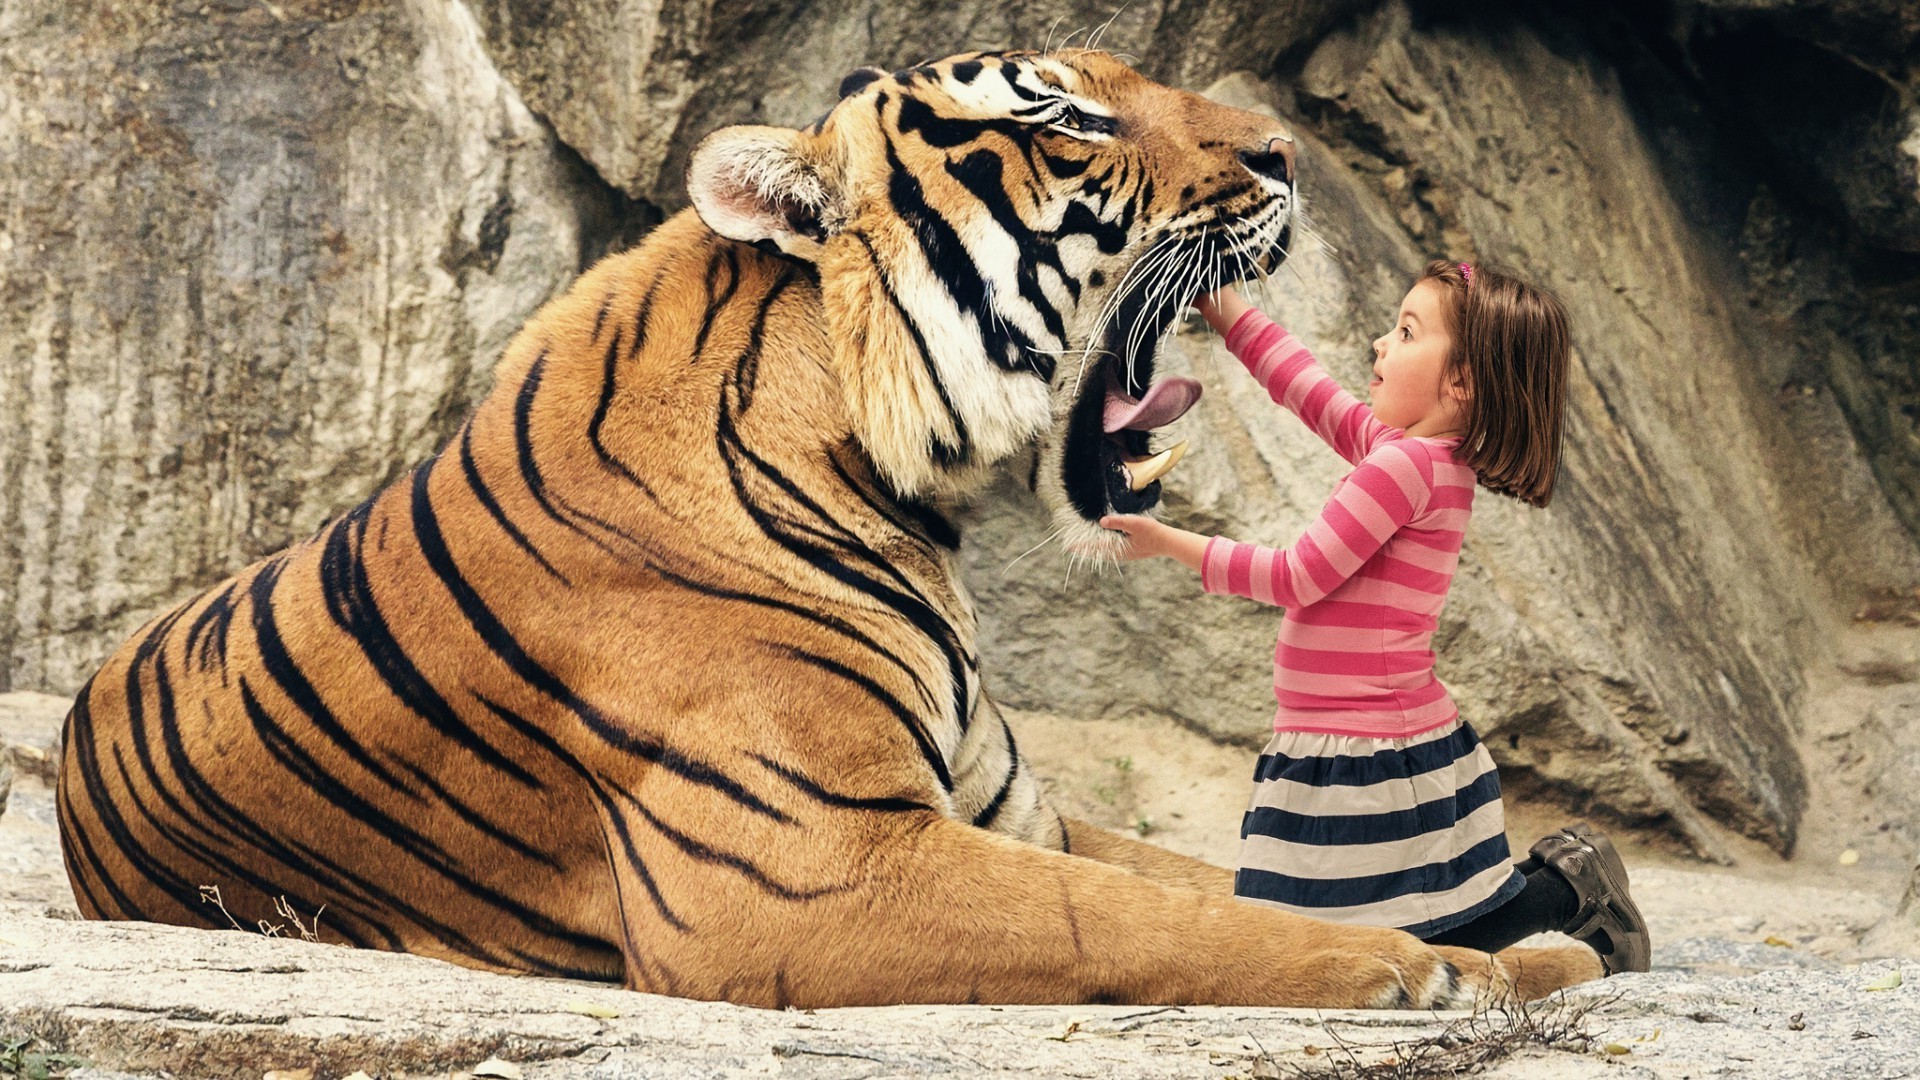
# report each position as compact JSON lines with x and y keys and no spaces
{"x":231,"y":1004}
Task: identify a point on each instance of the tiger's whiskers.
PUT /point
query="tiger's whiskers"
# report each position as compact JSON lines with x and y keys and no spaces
{"x":1044,"y":541}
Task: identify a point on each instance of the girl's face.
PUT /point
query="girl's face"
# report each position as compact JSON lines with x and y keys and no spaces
{"x":1410,"y":389}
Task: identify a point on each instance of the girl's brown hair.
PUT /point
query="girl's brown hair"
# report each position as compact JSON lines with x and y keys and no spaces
{"x":1510,"y":343}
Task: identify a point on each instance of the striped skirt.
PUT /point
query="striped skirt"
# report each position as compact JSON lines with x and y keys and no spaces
{"x":1401,"y":832}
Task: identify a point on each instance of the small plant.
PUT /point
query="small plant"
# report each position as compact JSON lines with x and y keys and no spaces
{"x":20,"y":1058}
{"x":1464,"y":1047}
{"x":308,"y":931}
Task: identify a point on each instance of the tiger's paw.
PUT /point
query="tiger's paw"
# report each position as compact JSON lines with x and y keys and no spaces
{"x":1394,"y":970}
{"x":1481,"y":980}
{"x":1430,"y":977}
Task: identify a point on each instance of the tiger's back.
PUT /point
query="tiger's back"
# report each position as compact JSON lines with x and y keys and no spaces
{"x":383,"y":720}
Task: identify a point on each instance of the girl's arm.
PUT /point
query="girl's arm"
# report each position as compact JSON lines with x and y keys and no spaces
{"x":1292,"y":376}
{"x":1390,"y":489}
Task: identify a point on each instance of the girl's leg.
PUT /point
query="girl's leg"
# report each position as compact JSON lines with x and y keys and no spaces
{"x":1577,"y":884}
{"x":1547,"y":903}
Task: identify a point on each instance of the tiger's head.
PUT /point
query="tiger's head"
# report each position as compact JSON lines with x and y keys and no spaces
{"x":1002,"y":240}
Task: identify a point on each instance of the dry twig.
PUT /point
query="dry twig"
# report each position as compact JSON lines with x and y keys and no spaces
{"x":1464,"y":1047}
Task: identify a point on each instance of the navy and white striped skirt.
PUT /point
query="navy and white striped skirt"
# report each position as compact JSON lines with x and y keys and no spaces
{"x":1402,"y":832}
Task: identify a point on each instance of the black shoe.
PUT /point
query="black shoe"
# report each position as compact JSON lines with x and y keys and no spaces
{"x":1607,"y":920}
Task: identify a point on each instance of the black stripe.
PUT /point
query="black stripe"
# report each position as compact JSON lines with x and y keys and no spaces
{"x":195,"y":789}
{"x":63,"y":813}
{"x":911,"y":516}
{"x":630,"y":950}
{"x":348,"y":591}
{"x":992,"y":809}
{"x":1223,"y":195}
{"x":133,"y":850}
{"x":481,"y":492}
{"x":879,"y":693}
{"x":916,"y":117}
{"x":474,"y":818}
{"x":983,"y":173}
{"x":307,"y":769}
{"x":946,"y":454}
{"x":609,"y":376}
{"x":128,"y":909}
{"x":746,"y":369}
{"x":167,"y":721}
{"x":191,"y":896}
{"x":882,"y":804}
{"x":717,"y":304}
{"x":404,"y":837}
{"x":215,"y":621}
{"x":1353,"y":770}
{"x":529,"y":465}
{"x":328,"y":875}
{"x":948,"y":258}
{"x":745,"y":867}
{"x":600,"y":523}
{"x":639,"y":865}
{"x":531,"y":730}
{"x":818,"y":618}
{"x":600,"y":317}
{"x":433,"y":546}
{"x":540,"y":965}
{"x":1370,"y":888}
{"x":76,"y":873}
{"x":302,"y":859}
{"x":85,"y":756}
{"x":909,"y":604}
{"x":279,"y":665}
{"x":1339,"y":830}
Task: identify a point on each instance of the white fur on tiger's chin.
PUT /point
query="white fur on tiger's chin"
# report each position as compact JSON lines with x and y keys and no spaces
{"x":1087,"y":540}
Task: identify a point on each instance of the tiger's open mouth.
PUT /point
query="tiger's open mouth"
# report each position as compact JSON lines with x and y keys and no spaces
{"x":1130,"y":473}
{"x":1110,"y":463}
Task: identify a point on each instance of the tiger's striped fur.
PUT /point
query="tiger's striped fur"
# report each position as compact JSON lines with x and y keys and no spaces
{"x":659,"y":672}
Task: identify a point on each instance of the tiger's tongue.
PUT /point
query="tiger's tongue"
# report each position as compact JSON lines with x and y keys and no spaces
{"x":1162,"y":404}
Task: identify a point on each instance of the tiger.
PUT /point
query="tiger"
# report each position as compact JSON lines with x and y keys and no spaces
{"x":660,"y":673}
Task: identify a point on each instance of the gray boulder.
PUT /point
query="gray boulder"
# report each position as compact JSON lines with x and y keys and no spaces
{"x":255,"y":262}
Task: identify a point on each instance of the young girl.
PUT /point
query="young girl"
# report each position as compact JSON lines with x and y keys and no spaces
{"x":1375,"y":802}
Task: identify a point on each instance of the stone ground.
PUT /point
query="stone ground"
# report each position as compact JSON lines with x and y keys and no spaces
{"x":1758,"y":973}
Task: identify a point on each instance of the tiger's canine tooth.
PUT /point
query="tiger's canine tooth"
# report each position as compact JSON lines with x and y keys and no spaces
{"x":1144,"y":471}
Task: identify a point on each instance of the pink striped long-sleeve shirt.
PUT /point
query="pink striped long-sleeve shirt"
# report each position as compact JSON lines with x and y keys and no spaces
{"x":1364,"y":586}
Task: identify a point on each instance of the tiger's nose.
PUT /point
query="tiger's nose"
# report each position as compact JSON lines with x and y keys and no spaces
{"x":1275,"y":161}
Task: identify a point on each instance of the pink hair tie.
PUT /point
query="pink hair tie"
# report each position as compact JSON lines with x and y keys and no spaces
{"x":1466,"y":273}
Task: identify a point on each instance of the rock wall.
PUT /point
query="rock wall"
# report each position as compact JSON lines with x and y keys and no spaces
{"x":252,"y":264}
{"x":258,"y":258}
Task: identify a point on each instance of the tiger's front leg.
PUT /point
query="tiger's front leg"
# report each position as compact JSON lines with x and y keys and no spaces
{"x":877,"y":901}
{"x":1150,"y":861}
{"x":994,"y":788}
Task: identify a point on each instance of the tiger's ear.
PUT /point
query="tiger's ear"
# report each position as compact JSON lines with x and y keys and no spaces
{"x":758,"y":184}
